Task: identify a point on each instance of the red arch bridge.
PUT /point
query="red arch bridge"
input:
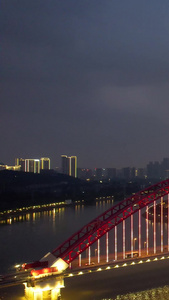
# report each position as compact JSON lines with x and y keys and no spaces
{"x":120,"y":232}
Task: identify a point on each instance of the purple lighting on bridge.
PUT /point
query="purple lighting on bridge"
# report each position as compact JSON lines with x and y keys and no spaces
{"x":139,"y":231}
{"x":80,"y":260}
{"x":115,"y":234}
{"x":131,"y":235}
{"x":147,"y":231}
{"x":154,"y":227}
{"x":98,"y":251}
{"x":161,"y":224}
{"x":124,"y":241}
{"x":107,"y":247}
{"x":168,"y":222}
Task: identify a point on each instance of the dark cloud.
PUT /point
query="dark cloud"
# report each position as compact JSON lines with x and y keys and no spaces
{"x":89,"y":78}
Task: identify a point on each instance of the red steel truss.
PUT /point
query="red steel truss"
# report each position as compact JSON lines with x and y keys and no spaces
{"x":94,"y":230}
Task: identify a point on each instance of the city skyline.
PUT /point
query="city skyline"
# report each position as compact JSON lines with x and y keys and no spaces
{"x":69,"y":166}
{"x":110,"y":165}
{"x":85,"y":77}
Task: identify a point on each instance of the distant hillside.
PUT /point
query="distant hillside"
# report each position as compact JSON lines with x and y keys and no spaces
{"x":23,"y":189}
{"x":15,"y":178}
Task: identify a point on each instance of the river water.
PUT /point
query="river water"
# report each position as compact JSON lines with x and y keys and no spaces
{"x":29,"y":237}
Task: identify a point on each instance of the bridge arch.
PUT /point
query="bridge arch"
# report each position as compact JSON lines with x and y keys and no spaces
{"x":94,"y":230}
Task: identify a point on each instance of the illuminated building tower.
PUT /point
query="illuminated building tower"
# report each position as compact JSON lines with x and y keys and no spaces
{"x":32,"y":165}
{"x":65,"y":164}
{"x":73,"y":166}
{"x":69,"y":165}
{"x":45,"y":163}
{"x":28,"y":165}
{"x":20,"y":162}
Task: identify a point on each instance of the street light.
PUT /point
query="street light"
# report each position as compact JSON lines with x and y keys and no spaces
{"x":145,"y":244}
{"x":135,"y":239}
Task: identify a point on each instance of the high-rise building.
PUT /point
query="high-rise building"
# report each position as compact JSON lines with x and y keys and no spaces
{"x":69,"y":165}
{"x":154,"y":169}
{"x":28,"y":165}
{"x":20,"y":162}
{"x":99,"y":173}
{"x":164,"y":168}
{"x":45,"y":163}
{"x":73,"y":166}
{"x":65,"y":164}
{"x":84,"y":173}
{"x":111,"y":173}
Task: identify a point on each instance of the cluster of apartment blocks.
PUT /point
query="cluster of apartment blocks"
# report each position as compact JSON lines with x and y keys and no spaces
{"x":33,"y":165}
{"x":100,"y":174}
{"x":156,"y":170}
{"x":69,"y":167}
{"x":29,"y":165}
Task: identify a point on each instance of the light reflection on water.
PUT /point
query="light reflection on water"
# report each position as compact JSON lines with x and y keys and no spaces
{"x":152,"y":294}
{"x":33,"y":216}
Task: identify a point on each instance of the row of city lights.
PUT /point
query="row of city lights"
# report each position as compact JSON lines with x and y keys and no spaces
{"x":35,"y":207}
{"x":118,"y":266}
{"x":13,"y":214}
{"x":31,"y":207}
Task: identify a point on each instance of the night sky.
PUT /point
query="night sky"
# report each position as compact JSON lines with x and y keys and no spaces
{"x":87,"y":78}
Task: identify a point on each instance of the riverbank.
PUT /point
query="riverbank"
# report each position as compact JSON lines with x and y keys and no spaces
{"x":33,"y":209}
{"x":9,"y":214}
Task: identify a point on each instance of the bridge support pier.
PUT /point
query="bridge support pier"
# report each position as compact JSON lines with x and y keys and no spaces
{"x":44,"y":289}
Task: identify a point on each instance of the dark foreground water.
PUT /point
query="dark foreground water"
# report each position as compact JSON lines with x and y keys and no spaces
{"x":28,"y":238}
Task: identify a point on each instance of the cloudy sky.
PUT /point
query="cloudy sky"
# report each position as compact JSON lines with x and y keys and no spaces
{"x":87,"y":78}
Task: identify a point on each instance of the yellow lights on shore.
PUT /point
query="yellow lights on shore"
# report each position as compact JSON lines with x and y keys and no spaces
{"x":133,"y":263}
{"x":20,"y":214}
{"x":116,"y":266}
{"x":124,"y":265}
{"x":148,"y":260}
{"x":108,"y":268}
{"x":70,"y":275}
{"x":140,"y":262}
{"x":99,"y":269}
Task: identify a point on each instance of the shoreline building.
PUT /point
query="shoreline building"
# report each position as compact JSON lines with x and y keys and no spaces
{"x":69,"y":165}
